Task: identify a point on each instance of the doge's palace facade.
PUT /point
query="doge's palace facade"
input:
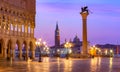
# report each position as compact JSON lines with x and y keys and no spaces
{"x":17,"y":23}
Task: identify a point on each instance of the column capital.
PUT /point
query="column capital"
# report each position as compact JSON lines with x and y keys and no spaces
{"x":84,"y":15}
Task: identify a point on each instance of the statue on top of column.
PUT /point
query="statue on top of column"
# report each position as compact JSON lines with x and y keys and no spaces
{"x":84,"y":9}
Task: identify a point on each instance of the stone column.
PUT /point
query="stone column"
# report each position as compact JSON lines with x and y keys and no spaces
{"x":5,"y":52}
{"x":13,"y":51}
{"x":33,"y":51}
{"x":33,"y":54}
{"x":33,"y":33}
{"x":84,"y":35}
{"x":27,"y":52}
{"x":20,"y":51}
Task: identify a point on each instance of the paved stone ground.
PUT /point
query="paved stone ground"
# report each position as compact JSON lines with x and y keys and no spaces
{"x":62,"y":65}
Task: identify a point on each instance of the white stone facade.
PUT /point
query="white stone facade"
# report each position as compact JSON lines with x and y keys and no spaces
{"x":17,"y":23}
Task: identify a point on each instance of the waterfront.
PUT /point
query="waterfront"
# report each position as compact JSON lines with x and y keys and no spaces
{"x":62,"y":65}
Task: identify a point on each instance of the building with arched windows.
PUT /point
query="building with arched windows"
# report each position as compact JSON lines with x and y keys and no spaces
{"x":17,"y":23}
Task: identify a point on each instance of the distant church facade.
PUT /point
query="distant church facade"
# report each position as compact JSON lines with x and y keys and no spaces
{"x":17,"y":24}
{"x":58,"y":48}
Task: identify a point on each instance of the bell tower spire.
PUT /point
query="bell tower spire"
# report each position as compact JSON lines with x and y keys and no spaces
{"x":57,"y":35}
{"x":57,"y":28}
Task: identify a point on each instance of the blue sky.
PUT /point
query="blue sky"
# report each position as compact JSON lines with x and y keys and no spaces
{"x":103,"y":22}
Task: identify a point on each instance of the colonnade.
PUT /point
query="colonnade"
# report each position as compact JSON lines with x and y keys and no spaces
{"x":8,"y":47}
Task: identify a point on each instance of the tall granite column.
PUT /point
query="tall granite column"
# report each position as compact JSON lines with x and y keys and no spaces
{"x":84,"y":15}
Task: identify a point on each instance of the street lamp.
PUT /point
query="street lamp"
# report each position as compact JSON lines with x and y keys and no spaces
{"x":45,"y":50}
{"x":111,"y":52}
{"x":67,"y":45}
{"x":93,"y":51}
{"x":38,"y":44}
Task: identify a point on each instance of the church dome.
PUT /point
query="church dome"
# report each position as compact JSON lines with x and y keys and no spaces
{"x":76,"y":40}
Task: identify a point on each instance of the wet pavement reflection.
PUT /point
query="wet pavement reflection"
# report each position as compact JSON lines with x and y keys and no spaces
{"x":97,"y":64}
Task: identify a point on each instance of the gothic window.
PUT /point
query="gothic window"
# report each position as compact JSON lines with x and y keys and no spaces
{"x":1,"y":9}
{"x":11,"y":26}
{"x":5,"y":10}
{"x":3,"y":22}
{"x":13,"y":12}
{"x":23,"y":28}
{"x":3,"y":18}
{"x":7,"y":23}
{"x":9,"y":11}
{"x":20,"y":14}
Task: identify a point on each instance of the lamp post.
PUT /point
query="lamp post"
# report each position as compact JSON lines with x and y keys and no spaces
{"x":46,"y":50}
{"x":111,"y":52}
{"x":38,"y":44}
{"x":67,"y":45}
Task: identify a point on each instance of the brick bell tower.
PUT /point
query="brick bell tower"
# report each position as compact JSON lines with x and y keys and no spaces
{"x":57,"y":36}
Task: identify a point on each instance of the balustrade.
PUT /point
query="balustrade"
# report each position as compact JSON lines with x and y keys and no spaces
{"x":15,"y":33}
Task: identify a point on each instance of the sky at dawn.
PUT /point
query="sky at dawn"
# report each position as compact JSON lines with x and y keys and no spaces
{"x":103,"y":22}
